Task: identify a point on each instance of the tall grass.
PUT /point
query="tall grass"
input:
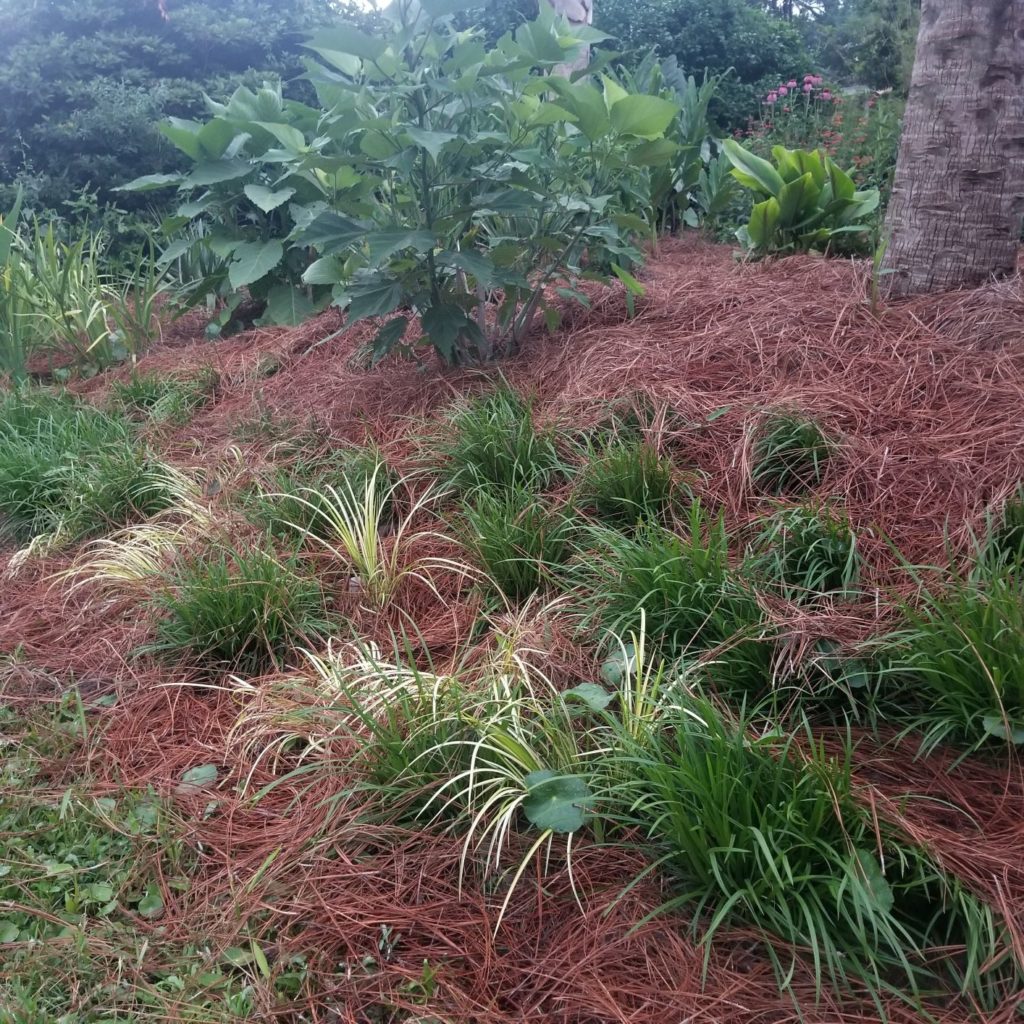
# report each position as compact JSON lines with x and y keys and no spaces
{"x":492,"y":442}
{"x":696,"y":607}
{"x":765,"y":830}
{"x":790,"y":454}
{"x":961,"y":654}
{"x":69,"y":470}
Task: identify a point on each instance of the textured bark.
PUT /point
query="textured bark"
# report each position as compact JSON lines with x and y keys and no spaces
{"x":955,"y":213}
{"x":576,"y":12}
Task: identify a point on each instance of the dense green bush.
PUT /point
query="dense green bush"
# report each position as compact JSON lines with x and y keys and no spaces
{"x":436,"y":179}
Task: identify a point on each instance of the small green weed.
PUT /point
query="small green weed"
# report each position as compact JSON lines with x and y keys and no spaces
{"x":493,"y":443}
{"x":791,"y":453}
{"x":71,"y":471}
{"x":517,"y":538}
{"x":171,"y":400}
{"x":238,"y":610}
{"x":806,"y":551}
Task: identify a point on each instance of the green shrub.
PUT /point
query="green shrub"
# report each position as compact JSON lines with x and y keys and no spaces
{"x":627,"y":483}
{"x":516,"y":538}
{"x":71,"y":471}
{"x":808,"y":202}
{"x":492,"y":442}
{"x":806,"y":551}
{"x":680,"y":590}
{"x":962,"y":653}
{"x":238,"y":610}
{"x":791,"y":453}
{"x":765,"y":831}
{"x":165,"y":399}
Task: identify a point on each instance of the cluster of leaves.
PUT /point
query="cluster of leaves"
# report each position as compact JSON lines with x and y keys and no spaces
{"x":435,"y":178}
{"x":808,"y":202}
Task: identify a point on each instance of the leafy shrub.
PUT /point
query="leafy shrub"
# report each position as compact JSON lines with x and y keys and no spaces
{"x":516,"y":538}
{"x":808,"y":202}
{"x":238,"y":610}
{"x":436,"y":177}
{"x":791,"y":453}
{"x":680,"y":590}
{"x":962,"y":652}
{"x":165,"y":399}
{"x":70,"y":470}
{"x":807,"y":551}
{"x":766,"y":831}
{"x":627,"y":483}
{"x":492,"y":442}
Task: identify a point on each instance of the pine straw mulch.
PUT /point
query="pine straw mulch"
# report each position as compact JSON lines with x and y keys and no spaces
{"x":926,"y":397}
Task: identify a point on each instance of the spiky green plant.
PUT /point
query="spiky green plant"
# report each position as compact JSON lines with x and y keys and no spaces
{"x":1006,"y":528}
{"x":68,"y":470}
{"x":492,"y":442}
{"x":961,"y":652}
{"x":238,"y":609}
{"x":627,"y":483}
{"x":806,"y":551}
{"x":765,"y":831}
{"x":790,"y":454}
{"x":696,"y":606}
{"x":516,"y":538}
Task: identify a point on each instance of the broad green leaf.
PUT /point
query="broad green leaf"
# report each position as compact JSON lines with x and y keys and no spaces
{"x":388,"y":337}
{"x":151,"y":905}
{"x":150,"y":183}
{"x":764,"y":219}
{"x":326,"y":270}
{"x":288,"y":306}
{"x":613,"y":92}
{"x":646,"y":117}
{"x":996,"y":726}
{"x":431,"y":141}
{"x":215,"y":171}
{"x":810,"y":163}
{"x":291,"y":138}
{"x":794,"y":196}
{"x":215,"y":136}
{"x":786,"y":163}
{"x":201,"y":775}
{"x":384,"y":244}
{"x":597,"y":698}
{"x":751,"y":170}
{"x":842,"y":184}
{"x":619,"y":665}
{"x":253,"y":260}
{"x":347,"y":39}
{"x":633,"y":286}
{"x":184,"y":134}
{"x":655,"y":153}
{"x":375,"y":296}
{"x":266,"y":198}
{"x":446,"y":326}
{"x":556,"y":802}
{"x":586,"y":102}
{"x":471,"y":262}
{"x":9,"y":931}
{"x":875,"y":884}
{"x":330,"y":232}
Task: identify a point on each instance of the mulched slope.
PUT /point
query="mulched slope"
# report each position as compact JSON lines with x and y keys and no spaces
{"x":926,"y":397}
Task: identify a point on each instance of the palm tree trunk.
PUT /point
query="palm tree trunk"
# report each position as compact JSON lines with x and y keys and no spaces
{"x":955,"y":215}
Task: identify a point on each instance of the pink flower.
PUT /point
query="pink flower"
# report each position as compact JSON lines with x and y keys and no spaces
{"x":808,"y":87}
{"x":808,"y":79}
{"x":826,"y":95}
{"x":783,"y":90}
{"x":791,"y":84}
{"x":817,"y":80}
{"x":771,"y":97}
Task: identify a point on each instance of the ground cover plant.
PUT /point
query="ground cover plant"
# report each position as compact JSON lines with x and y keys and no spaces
{"x":667,"y":670}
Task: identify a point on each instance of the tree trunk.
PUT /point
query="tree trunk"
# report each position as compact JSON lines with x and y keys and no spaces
{"x":577,"y":13}
{"x":955,"y":214}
